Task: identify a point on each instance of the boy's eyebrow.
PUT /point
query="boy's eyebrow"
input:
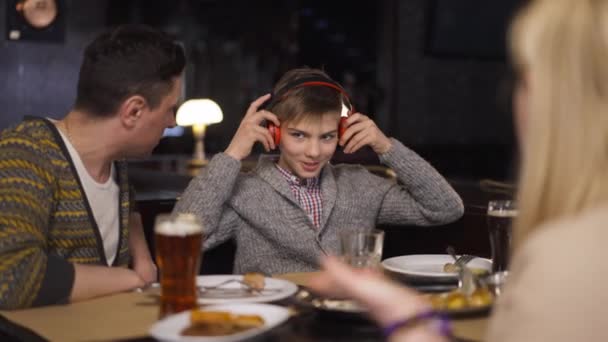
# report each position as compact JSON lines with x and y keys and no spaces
{"x":330,"y":132}
{"x":306,"y":133}
{"x":295,"y":130}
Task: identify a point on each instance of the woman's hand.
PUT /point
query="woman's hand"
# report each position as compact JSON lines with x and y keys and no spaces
{"x":387,"y":301}
{"x":361,"y":131}
{"x":250,"y":131}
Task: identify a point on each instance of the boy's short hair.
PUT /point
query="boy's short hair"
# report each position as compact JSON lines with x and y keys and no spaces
{"x":128,"y":60}
{"x":307,"y":101}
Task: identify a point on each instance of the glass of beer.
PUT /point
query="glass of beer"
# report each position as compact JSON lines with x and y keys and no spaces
{"x":362,"y":249}
{"x":500,"y":217}
{"x":178,"y":240}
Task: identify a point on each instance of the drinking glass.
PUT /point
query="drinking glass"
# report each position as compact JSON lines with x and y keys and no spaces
{"x":362,"y":248}
{"x":500,"y":217}
{"x":178,"y":240}
{"x":496,"y":281}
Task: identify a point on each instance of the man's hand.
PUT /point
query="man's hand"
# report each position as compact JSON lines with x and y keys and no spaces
{"x":92,"y":281}
{"x":146,"y":270}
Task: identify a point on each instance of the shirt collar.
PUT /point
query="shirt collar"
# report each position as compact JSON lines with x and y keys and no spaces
{"x":295,"y":180}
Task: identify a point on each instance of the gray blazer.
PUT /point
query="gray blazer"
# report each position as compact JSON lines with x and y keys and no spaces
{"x":275,"y":235}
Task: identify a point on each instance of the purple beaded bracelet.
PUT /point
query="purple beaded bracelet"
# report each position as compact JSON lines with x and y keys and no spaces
{"x":443,"y":324}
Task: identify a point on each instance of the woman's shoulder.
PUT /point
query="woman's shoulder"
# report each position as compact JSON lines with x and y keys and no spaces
{"x":584,"y":228}
{"x":558,"y":274}
{"x":567,"y":248}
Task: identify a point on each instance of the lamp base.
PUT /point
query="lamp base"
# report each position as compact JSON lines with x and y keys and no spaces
{"x":197,"y":163}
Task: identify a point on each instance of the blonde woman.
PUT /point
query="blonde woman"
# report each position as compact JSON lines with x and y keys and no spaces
{"x":556,"y":291}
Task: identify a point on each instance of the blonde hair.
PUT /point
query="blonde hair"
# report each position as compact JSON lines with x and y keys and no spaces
{"x":561,"y":47}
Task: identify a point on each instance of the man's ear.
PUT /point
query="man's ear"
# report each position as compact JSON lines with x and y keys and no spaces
{"x":131,"y":110}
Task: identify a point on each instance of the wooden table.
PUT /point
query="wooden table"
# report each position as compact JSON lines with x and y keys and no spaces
{"x":130,"y":315}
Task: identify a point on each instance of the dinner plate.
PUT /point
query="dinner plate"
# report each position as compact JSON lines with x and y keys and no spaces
{"x":430,"y":265}
{"x":480,"y":311}
{"x":333,"y":308}
{"x":170,"y":328}
{"x":463,"y":311}
{"x":274,"y":289}
{"x":235,"y":292}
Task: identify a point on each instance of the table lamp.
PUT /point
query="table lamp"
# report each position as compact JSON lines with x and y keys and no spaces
{"x":198,"y":113}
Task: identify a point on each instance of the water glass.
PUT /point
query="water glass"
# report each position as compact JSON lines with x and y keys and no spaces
{"x":496,"y":282}
{"x":362,"y":248}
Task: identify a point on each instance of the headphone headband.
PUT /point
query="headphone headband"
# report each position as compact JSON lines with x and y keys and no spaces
{"x":313,"y":81}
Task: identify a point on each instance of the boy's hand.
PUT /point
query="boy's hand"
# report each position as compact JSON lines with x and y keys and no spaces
{"x":363,"y":131}
{"x":250,"y":131}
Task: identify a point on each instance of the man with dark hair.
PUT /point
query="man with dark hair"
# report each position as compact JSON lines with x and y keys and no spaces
{"x":68,"y":230}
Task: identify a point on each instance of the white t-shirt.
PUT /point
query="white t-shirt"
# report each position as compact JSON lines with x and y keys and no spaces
{"x":103,"y":199}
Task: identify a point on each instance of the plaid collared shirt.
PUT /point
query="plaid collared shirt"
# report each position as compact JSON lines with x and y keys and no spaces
{"x":308,"y":194}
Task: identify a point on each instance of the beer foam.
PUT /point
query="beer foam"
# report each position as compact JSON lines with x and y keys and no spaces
{"x":178,"y":228}
{"x":502,"y":213}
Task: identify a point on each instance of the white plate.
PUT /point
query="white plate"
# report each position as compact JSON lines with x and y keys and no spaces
{"x":170,"y":328}
{"x":430,"y":265}
{"x":274,"y":289}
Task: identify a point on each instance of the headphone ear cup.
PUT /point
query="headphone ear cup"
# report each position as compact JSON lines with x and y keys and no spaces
{"x":343,"y":125}
{"x":275,"y":132}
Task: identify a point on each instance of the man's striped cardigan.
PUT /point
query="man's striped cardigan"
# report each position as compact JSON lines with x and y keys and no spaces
{"x":46,"y":223}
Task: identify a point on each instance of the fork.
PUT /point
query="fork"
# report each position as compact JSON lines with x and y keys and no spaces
{"x":467,"y":281}
{"x":464,"y":259}
{"x":226,"y":282}
{"x":461,"y":260}
{"x":247,"y":287}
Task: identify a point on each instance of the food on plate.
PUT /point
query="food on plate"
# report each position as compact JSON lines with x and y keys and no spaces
{"x":456,"y":300}
{"x":450,"y":268}
{"x":219,"y":323}
{"x":338,"y":304}
{"x":453,"y":268}
{"x":254,"y":280}
{"x":330,"y":304}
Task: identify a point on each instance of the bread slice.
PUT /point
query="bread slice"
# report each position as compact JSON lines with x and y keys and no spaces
{"x":254,"y":280}
{"x":219,"y":323}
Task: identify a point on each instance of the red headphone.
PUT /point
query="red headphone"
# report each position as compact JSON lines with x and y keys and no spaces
{"x":314,"y":81}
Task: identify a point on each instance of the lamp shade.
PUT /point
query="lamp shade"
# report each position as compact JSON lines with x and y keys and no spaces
{"x":199,"y":111}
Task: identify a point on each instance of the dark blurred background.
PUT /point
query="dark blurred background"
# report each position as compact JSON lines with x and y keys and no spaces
{"x":432,"y":73}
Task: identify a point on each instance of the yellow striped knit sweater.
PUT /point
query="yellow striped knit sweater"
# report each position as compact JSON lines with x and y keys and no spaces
{"x":46,"y":223}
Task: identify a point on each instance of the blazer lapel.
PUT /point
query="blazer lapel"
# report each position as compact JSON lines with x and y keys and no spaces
{"x":329,"y":192}
{"x":269,"y":173}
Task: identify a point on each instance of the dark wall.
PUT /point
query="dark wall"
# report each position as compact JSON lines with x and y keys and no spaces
{"x":448,"y":108}
{"x":441,"y":100}
{"x":453,"y":110}
{"x":39,"y":78}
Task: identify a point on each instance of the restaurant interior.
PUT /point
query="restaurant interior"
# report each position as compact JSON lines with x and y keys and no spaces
{"x":431,"y":73}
